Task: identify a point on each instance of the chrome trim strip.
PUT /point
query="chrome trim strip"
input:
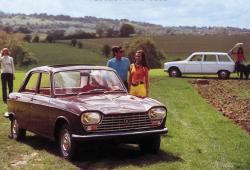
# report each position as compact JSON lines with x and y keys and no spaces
{"x":117,"y":134}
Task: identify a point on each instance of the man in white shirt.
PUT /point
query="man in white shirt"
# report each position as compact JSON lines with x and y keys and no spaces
{"x":7,"y":72}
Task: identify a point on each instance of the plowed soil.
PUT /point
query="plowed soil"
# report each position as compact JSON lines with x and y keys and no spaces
{"x":231,"y":97}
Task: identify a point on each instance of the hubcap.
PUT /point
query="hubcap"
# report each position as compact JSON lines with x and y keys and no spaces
{"x":65,"y":143}
{"x":223,"y":74}
{"x":174,"y":73}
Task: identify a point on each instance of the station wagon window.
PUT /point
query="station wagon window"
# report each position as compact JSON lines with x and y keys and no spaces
{"x":210,"y":58}
{"x":196,"y":58}
{"x":32,"y":83}
{"x":45,"y":84}
{"x":223,"y":58}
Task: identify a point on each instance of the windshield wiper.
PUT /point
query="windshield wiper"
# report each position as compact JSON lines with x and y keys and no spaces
{"x":93,"y":91}
{"x":115,"y":91}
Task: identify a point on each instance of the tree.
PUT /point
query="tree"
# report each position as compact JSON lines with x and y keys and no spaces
{"x":16,"y":45}
{"x":79,"y":44}
{"x":106,"y":50}
{"x":23,"y":30}
{"x":110,"y":32}
{"x":27,"y":38}
{"x":126,"y":30}
{"x":153,"y":54}
{"x":36,"y":39}
{"x":73,"y":42}
{"x":50,"y":38}
{"x":99,"y":32}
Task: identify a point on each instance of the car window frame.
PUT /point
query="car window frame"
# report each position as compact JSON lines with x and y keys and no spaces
{"x":227,"y":56}
{"x":39,"y":83}
{"x":27,"y":79}
{"x":216,"y":58}
{"x":202,"y":56}
{"x":53,"y":94}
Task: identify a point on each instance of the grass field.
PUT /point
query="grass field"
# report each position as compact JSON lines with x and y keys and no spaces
{"x":199,"y":138}
{"x":56,"y":53}
{"x":178,"y":46}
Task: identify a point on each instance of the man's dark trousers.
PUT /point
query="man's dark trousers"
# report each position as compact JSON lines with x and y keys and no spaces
{"x":7,"y":78}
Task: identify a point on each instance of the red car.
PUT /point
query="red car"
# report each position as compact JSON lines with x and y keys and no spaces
{"x":72,"y":103}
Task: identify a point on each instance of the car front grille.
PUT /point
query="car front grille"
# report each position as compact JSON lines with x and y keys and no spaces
{"x":124,"y":122}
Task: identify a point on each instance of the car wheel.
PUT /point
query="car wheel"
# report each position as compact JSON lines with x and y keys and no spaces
{"x":150,"y":144}
{"x":174,"y":72}
{"x":223,"y":74}
{"x":17,"y":133}
{"x":66,"y":144}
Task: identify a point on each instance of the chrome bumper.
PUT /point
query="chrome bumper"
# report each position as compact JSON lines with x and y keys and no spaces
{"x":121,"y":134}
{"x":7,"y":115}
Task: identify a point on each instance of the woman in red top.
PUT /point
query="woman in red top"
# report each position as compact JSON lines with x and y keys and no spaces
{"x":240,"y":58}
{"x":138,"y":77}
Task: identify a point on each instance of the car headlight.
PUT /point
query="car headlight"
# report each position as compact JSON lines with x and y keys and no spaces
{"x":157,"y":113}
{"x":90,"y":118}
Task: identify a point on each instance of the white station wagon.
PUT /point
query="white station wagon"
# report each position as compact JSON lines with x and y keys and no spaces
{"x":202,"y":63}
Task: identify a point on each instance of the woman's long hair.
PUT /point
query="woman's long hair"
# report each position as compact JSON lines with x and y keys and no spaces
{"x":144,"y":62}
{"x":240,"y":50}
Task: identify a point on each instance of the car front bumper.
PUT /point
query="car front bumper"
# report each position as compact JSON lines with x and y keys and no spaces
{"x":113,"y":135}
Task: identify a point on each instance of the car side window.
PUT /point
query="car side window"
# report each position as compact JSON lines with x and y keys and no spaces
{"x":32,"y":83}
{"x":210,"y":58}
{"x":196,"y":58}
{"x":44,"y":84}
{"x":223,"y":58}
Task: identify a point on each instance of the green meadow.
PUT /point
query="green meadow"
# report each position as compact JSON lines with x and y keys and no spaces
{"x":199,"y":136}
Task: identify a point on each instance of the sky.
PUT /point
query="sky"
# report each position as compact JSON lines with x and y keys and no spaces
{"x":235,"y":13}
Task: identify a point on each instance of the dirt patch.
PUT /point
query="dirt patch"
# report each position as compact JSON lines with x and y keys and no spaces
{"x":231,"y":97}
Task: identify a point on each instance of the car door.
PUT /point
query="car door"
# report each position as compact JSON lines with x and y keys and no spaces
{"x":209,"y":63}
{"x":225,"y":63}
{"x":24,"y":99}
{"x":193,"y":65}
{"x":40,"y":108}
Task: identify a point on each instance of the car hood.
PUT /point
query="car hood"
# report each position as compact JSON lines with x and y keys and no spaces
{"x":174,"y":62}
{"x":111,"y":103}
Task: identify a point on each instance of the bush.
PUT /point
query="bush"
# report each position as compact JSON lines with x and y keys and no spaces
{"x":16,"y":45}
{"x":126,"y":30}
{"x":27,"y":38}
{"x":73,"y":42}
{"x":153,"y":55}
{"x":50,"y":39}
{"x":36,"y":39}
{"x":106,"y":50}
{"x":79,"y":44}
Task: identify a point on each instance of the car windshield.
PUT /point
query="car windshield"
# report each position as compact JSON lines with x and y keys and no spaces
{"x":86,"y":81}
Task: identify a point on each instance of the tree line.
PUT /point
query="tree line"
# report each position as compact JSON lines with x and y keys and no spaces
{"x":126,"y":30}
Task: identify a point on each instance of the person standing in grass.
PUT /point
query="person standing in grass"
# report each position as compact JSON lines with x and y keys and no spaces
{"x":240,"y":57}
{"x":7,"y":72}
{"x":139,"y":78}
{"x":120,"y":64}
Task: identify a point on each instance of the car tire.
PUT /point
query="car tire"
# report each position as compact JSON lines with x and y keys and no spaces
{"x":223,"y":74}
{"x":174,"y":72}
{"x":150,"y":144}
{"x":66,"y":144}
{"x":17,"y":133}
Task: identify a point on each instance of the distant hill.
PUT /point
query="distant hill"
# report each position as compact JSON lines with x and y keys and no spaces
{"x":43,"y":23}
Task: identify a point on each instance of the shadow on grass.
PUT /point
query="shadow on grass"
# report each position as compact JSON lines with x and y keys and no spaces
{"x":106,"y":156}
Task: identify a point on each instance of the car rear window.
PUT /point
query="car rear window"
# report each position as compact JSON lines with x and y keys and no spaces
{"x":223,"y":58}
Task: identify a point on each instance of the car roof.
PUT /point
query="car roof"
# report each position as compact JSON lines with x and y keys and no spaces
{"x":67,"y":67}
{"x":211,"y":53}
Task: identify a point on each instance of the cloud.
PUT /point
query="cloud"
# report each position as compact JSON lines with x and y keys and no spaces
{"x":163,"y":12}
